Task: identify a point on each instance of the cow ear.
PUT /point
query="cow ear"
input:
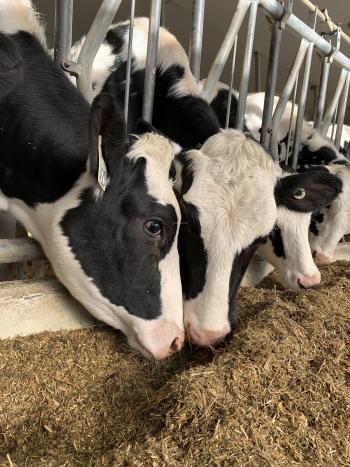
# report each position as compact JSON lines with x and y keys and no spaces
{"x":308,"y":191}
{"x":107,"y":133}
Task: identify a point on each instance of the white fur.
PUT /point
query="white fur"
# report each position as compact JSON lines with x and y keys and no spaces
{"x":345,"y":135}
{"x":20,"y":15}
{"x":336,"y":221}
{"x":233,"y":188}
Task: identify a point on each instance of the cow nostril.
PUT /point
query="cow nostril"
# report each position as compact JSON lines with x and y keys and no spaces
{"x":301,"y":285}
{"x":175,"y":345}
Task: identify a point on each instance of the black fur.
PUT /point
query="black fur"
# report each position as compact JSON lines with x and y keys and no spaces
{"x":277,"y":243}
{"x":322,"y":156}
{"x":11,"y":66}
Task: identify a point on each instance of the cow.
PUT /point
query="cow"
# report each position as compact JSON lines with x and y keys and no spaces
{"x":102,"y":208}
{"x":10,"y":65}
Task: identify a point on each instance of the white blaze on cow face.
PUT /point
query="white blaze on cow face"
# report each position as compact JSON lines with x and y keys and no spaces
{"x":333,"y":221}
{"x":288,"y":250}
{"x":233,"y":191}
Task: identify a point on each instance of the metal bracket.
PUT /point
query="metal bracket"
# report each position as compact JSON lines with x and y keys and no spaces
{"x":287,"y":12}
{"x":72,"y":68}
{"x":335,"y":49}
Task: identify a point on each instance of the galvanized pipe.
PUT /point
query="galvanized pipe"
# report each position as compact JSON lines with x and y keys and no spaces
{"x":129,"y":62}
{"x":224,"y":51}
{"x":341,"y":110}
{"x":301,"y":108}
{"x":93,"y":41}
{"x":291,"y":119}
{"x":151,"y":60}
{"x":283,"y":100}
{"x":334,"y":102}
{"x":197,"y":37}
{"x":247,"y":63}
{"x":63,"y":29}
{"x":321,"y":94}
{"x":229,"y":101}
{"x":271,"y":80}
{"x":257,"y":71}
{"x":276,"y":11}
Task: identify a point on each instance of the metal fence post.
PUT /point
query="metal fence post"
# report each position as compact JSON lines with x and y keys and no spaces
{"x":321,"y":94}
{"x":196,"y":41}
{"x":129,"y":62}
{"x":63,"y":29}
{"x":151,"y":60}
{"x":341,"y":110}
{"x":247,"y":63}
{"x":327,"y":120}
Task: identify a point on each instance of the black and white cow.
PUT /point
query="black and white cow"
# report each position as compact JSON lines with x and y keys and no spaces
{"x":10,"y":65}
{"x":115,"y":250}
{"x":230,"y":189}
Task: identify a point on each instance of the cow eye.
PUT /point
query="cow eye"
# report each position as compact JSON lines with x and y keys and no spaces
{"x":299,"y":193}
{"x":154,"y":227}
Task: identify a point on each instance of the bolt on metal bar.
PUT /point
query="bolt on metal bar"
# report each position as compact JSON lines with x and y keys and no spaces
{"x":224,"y":51}
{"x":151,"y":60}
{"x":271,"y":81}
{"x":321,"y":94}
{"x":197,"y":37}
{"x":257,"y":70}
{"x":334,"y":102}
{"x":93,"y":41}
{"x":341,"y":111}
{"x":283,"y":100}
{"x":276,"y":11}
{"x":301,"y":107}
{"x":229,"y":100}
{"x":128,"y":62}
{"x":63,"y":29}
{"x":247,"y":63}
{"x":334,"y":119}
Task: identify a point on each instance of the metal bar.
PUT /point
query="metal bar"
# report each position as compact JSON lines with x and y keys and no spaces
{"x":321,"y":94}
{"x":151,"y":60}
{"x":257,"y":70}
{"x":301,"y":107}
{"x":271,"y":80}
{"x":224,"y":51}
{"x":229,"y":101}
{"x":341,"y":111}
{"x":283,"y":100}
{"x":128,"y":62}
{"x":93,"y":41}
{"x":197,"y":37}
{"x":291,"y":119}
{"x":276,"y":11}
{"x":334,"y":102}
{"x":247,"y":63}
{"x":63,"y":29}
{"x":16,"y":250}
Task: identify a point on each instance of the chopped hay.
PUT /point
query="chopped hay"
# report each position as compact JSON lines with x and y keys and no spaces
{"x":276,"y":394}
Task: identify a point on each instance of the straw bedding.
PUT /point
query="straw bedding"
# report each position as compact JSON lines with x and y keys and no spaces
{"x":277,"y":393}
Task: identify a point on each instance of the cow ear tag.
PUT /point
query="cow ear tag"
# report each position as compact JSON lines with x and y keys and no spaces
{"x":299,"y":193}
{"x":102,"y":177}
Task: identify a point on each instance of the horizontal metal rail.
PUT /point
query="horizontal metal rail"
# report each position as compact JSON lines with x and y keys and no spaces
{"x":17,"y":250}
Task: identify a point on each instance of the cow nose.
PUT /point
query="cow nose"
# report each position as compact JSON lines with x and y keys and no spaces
{"x":321,"y":257}
{"x":206,"y":337}
{"x":309,"y":280}
{"x":162,"y":341}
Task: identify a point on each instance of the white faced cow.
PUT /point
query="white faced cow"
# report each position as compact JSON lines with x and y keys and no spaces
{"x":115,"y":250}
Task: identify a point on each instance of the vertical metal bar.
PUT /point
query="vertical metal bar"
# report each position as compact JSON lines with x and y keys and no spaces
{"x":163,"y":14}
{"x":334,"y":102}
{"x":229,"y":101}
{"x":224,"y":51}
{"x":301,"y":107}
{"x":271,"y":80}
{"x":63,"y":29}
{"x":341,"y":111}
{"x":291,"y":119}
{"x":93,"y":41}
{"x":151,"y":60}
{"x":197,"y":37}
{"x":247,"y":63}
{"x":321,"y":94}
{"x":283,"y":100}
{"x":333,"y":122}
{"x":257,"y":70}
{"x":128,"y":62}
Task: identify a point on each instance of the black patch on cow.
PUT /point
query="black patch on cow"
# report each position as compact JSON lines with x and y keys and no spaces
{"x":220,"y":103}
{"x":321,"y":188}
{"x":277,"y":242}
{"x":341,"y":162}
{"x":316,"y":218}
{"x":116,"y":37}
{"x":322,"y":156}
{"x":239,"y":267}
{"x":193,"y":256}
{"x":186,"y":172}
{"x":43,"y":129}
{"x":11,"y":65}
{"x":125,"y":264}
